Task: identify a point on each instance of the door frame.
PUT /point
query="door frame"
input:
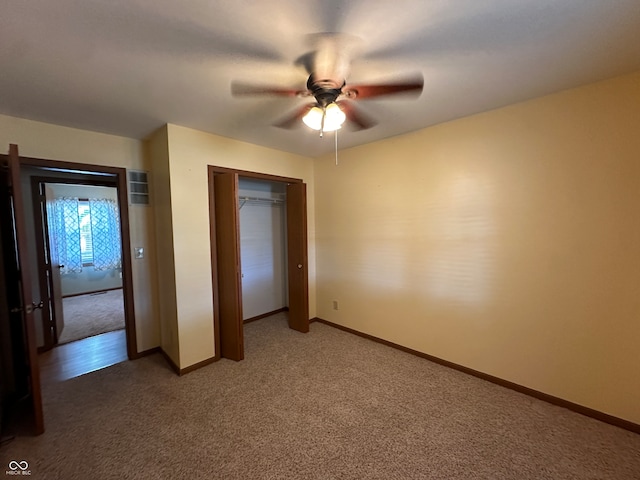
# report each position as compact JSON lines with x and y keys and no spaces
{"x":212,"y":171}
{"x":120,"y":183}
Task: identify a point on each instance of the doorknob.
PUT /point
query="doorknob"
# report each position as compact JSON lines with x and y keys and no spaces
{"x":59,"y":266}
{"x":299,"y":265}
{"x":29,"y":308}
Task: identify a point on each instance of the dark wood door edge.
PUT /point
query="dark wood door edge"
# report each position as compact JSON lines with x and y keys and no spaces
{"x":214,"y":261}
{"x":229,"y":265}
{"x":26,"y":294}
{"x":44,"y":271}
{"x":297,"y":257}
{"x":560,"y":402}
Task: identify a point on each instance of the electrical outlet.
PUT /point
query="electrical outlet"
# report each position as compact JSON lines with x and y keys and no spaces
{"x":335,"y":305}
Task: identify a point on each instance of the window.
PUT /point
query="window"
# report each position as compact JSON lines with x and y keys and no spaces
{"x":85,"y":233}
{"x":86,"y":240}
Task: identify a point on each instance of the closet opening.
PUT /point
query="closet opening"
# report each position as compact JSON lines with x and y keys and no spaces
{"x":258,"y":230}
{"x":263,"y":247}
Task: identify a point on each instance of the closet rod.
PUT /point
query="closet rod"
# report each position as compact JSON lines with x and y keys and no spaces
{"x":261,"y":199}
{"x":244,"y":200}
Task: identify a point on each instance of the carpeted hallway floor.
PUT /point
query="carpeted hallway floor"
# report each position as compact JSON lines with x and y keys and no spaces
{"x":322,"y":405}
{"x":92,"y":314}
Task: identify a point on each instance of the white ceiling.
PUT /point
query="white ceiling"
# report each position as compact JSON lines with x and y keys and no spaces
{"x":127,"y":67}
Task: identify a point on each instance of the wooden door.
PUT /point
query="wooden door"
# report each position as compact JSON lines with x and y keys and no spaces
{"x":297,"y":257}
{"x":53,"y":267}
{"x":225,"y":186}
{"x":26,"y":300}
{"x":48,"y":265}
{"x":47,"y":315}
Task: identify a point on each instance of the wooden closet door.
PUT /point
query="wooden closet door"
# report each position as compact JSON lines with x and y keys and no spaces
{"x":227,"y":223}
{"x":297,"y":257}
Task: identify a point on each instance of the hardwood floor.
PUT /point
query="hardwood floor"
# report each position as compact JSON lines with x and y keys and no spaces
{"x":83,"y":356}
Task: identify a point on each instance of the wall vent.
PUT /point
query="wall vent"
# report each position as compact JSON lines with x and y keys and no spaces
{"x":138,"y":187}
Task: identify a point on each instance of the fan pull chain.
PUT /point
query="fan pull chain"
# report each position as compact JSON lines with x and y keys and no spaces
{"x":324,"y":114}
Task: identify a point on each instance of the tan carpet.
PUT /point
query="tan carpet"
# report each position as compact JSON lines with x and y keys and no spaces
{"x":92,"y":314}
{"x":322,"y":405}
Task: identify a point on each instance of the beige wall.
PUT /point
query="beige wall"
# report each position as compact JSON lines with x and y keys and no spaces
{"x":190,"y":152}
{"x":158,"y":154}
{"x":507,"y":242}
{"x":42,"y":140}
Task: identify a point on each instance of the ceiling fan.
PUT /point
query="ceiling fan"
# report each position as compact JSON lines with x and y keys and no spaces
{"x":334,"y":97}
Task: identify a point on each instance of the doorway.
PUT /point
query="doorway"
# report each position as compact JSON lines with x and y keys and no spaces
{"x":263,"y":248}
{"x":41,"y":172}
{"x":226,"y":256}
{"x":77,"y":232}
{"x":20,"y":277}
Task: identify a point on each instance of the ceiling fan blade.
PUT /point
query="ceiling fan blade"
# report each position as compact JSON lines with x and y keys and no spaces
{"x":239,"y":89}
{"x":294,"y":119}
{"x":355,"y":116}
{"x":370,"y":91}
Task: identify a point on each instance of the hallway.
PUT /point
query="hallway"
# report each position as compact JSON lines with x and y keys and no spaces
{"x":83,"y":356}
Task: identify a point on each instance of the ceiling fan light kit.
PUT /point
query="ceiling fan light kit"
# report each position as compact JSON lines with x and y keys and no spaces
{"x":326,"y":119}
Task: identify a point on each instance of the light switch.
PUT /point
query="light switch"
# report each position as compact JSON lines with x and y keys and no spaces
{"x":138,"y":252}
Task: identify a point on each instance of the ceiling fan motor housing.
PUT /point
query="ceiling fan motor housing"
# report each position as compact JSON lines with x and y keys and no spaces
{"x":325,"y":91}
